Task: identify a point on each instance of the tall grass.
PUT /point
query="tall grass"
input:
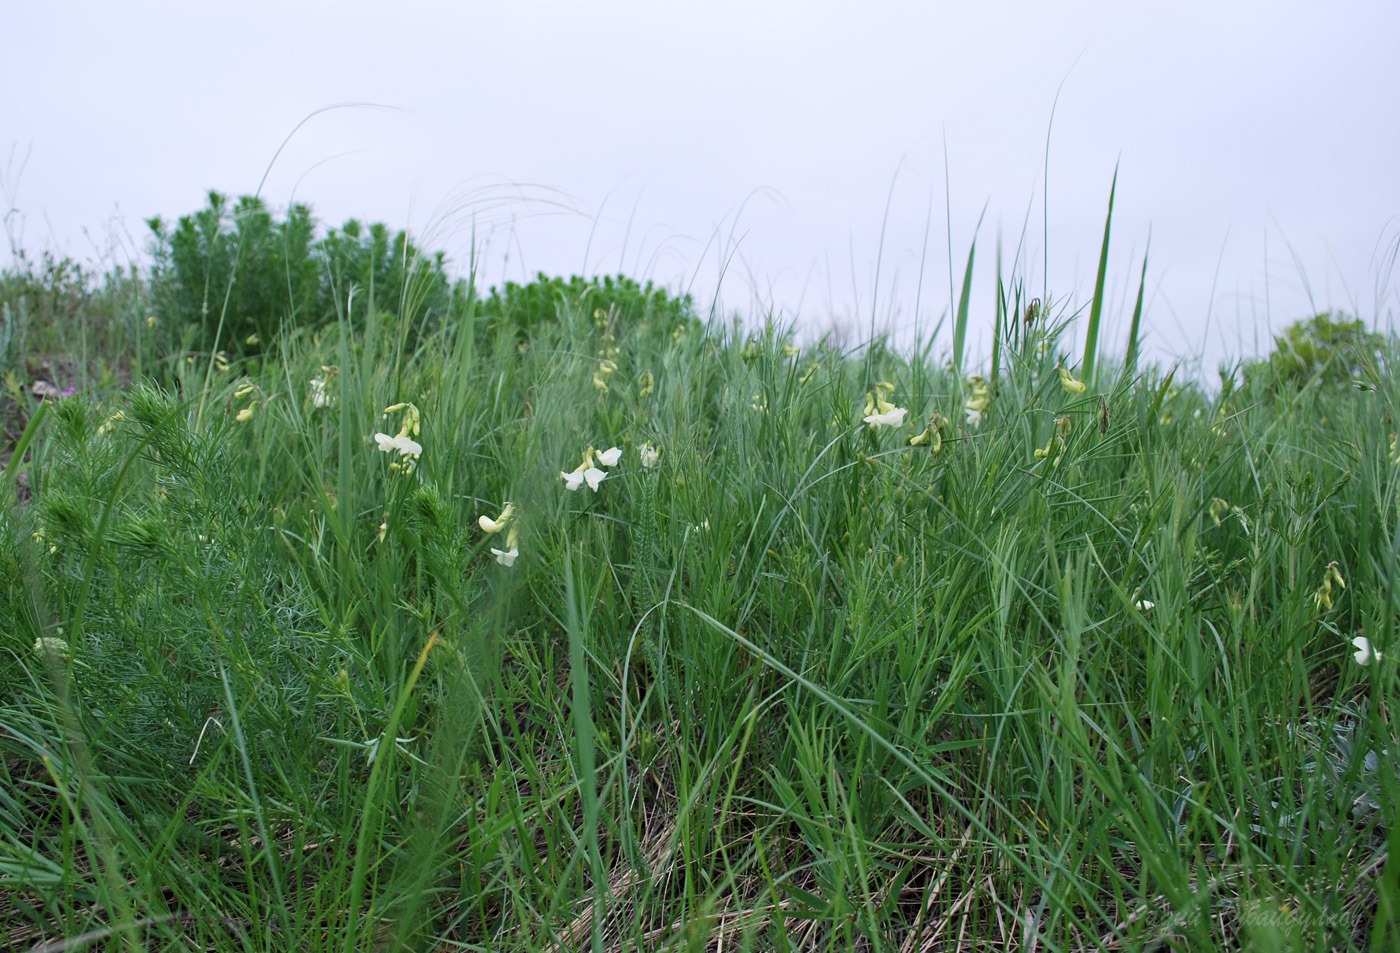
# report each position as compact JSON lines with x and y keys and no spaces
{"x":801,"y":684}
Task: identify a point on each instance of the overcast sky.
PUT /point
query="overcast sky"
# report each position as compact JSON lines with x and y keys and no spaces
{"x":793,"y":150}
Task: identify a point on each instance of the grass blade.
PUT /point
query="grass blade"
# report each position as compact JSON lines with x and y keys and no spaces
{"x":1091,"y":336}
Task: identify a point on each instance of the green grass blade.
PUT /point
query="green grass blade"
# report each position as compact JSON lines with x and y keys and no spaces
{"x":965,"y":300}
{"x":1091,"y":336}
{"x":1135,"y":328}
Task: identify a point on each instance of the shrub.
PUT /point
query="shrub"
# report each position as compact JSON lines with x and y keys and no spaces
{"x":1329,"y":349}
{"x":625,"y":304}
{"x":240,"y":276}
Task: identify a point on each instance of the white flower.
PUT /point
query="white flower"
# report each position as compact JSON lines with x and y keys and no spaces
{"x":650,"y":455}
{"x":1144,"y":605}
{"x":506,"y":558}
{"x":893,"y":417}
{"x":406,"y":446}
{"x":1365,"y":655}
{"x":319,"y":397}
{"x":609,"y":457}
{"x":587,"y":472}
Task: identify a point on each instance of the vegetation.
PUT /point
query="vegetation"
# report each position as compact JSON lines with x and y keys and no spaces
{"x":311,"y":645}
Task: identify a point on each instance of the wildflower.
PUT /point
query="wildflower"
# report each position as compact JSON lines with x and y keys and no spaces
{"x":609,"y":457}
{"x":39,"y":539}
{"x":244,"y":389}
{"x":605,"y":370}
{"x":221,"y":361}
{"x":252,"y":340}
{"x":651,"y":457}
{"x":585,"y":472}
{"x":1365,"y":654}
{"x":1395,"y":449}
{"x":646,"y":384}
{"x":410,"y":418}
{"x":932,"y":436}
{"x":499,"y":523}
{"x":383,"y":528}
{"x":246,"y":414}
{"x":408,"y":449}
{"x":319,"y":397}
{"x":1052,"y":450}
{"x":151,"y":321}
{"x":51,"y":648}
{"x":976,"y":404}
{"x":879,"y":412}
{"x":1144,"y":605}
{"x":889,"y":416}
{"x":791,"y":350}
{"x":507,"y":556}
{"x":1219,"y":509}
{"x":750,"y":351}
{"x":759,"y":403}
{"x":406,"y":446}
{"x":1068,"y":382}
{"x":1055,"y":446}
{"x":1323,"y":597}
{"x":807,"y":374}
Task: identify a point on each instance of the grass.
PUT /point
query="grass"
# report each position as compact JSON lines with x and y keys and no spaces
{"x":799,"y":685}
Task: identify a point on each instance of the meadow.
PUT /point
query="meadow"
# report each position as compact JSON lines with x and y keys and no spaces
{"x":567,"y":618}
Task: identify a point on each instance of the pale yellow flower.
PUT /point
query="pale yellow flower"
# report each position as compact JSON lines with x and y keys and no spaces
{"x":1068,"y":382}
{"x":499,"y":523}
{"x":975,"y":406}
{"x":1323,"y":597}
{"x":48,"y":647}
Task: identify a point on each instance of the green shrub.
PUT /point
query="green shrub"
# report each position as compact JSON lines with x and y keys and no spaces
{"x":1330,"y":349}
{"x":240,"y":276}
{"x":624,"y":304}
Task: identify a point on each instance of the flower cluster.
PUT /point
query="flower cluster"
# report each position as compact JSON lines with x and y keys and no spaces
{"x":320,"y":397}
{"x":1054,"y":447}
{"x":605,"y":370}
{"x":506,"y":520}
{"x":589,"y":470}
{"x":977,"y":399}
{"x":246,"y":389}
{"x":879,"y":412}
{"x":51,"y":648}
{"x":1323,"y":597}
{"x":408,"y":449}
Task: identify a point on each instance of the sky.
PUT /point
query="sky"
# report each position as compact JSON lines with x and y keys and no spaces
{"x":820,"y":162}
